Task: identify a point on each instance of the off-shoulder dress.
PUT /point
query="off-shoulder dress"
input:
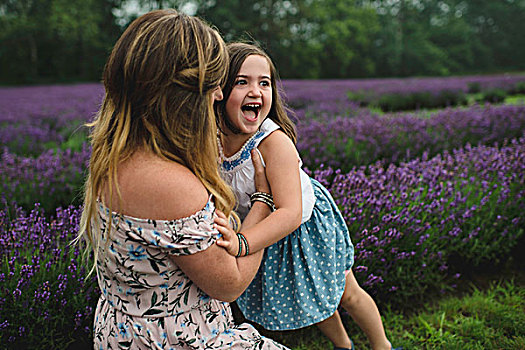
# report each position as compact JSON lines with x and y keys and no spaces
{"x":147,"y":302}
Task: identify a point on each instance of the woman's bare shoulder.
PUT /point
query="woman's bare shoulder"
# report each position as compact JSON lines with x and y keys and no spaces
{"x":155,"y":188}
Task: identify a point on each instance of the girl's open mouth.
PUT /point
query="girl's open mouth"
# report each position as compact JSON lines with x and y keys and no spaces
{"x":251,"y":111}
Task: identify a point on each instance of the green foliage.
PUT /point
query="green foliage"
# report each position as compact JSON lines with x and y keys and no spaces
{"x":306,"y":38}
{"x":474,"y":88}
{"x":363,"y":97}
{"x":61,"y":40}
{"x":395,"y":102}
{"x":419,"y":100}
{"x":50,"y":40}
{"x":493,"y":96}
{"x":518,"y":89}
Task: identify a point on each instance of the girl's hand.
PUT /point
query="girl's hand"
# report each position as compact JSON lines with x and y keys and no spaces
{"x":229,"y":240}
{"x":261,"y":182}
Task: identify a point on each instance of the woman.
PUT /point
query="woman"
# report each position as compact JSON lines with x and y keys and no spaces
{"x":154,"y":193}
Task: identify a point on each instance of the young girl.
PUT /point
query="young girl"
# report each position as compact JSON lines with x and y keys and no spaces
{"x":306,"y":270}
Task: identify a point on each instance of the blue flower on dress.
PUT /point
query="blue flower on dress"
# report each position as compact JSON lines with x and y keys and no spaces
{"x":136,"y":254}
{"x":164,"y":286}
{"x":156,"y":233}
{"x":229,"y":331}
{"x":204,"y":297}
{"x":214,"y":332}
{"x":123,"y":329}
{"x":245,"y":152}
{"x":138,"y":327}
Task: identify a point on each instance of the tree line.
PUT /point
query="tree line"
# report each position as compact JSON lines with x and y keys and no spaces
{"x":69,"y":40}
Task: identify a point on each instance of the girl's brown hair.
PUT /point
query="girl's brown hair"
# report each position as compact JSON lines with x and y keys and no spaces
{"x":279,"y":112}
{"x":159,"y":81}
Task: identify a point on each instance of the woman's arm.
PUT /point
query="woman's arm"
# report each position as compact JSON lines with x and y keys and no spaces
{"x":217,"y":273}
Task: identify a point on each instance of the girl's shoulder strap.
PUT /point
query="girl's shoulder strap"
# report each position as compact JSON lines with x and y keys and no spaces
{"x":267,"y":127}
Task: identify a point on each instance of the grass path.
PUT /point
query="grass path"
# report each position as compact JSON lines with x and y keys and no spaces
{"x":487,"y":317}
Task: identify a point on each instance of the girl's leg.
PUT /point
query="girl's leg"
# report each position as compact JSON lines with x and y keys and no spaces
{"x":334,"y":330}
{"x":363,"y":310}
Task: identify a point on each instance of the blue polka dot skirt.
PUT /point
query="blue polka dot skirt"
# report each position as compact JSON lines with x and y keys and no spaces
{"x":302,"y":277}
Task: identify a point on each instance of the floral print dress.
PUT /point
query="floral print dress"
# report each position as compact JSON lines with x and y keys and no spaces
{"x":147,"y":301}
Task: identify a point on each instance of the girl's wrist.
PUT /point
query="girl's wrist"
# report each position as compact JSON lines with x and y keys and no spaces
{"x":262,"y":197}
{"x":261,"y":208}
{"x":244,"y":248}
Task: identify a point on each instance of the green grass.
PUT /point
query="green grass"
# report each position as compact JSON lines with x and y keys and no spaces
{"x":490,"y":319}
{"x":471,"y":98}
{"x":493,"y":318}
{"x":515,"y":100}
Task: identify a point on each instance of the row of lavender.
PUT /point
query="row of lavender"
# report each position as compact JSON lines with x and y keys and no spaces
{"x":332,"y":95}
{"x":341,"y":142}
{"x":55,"y":177}
{"x":33,"y":119}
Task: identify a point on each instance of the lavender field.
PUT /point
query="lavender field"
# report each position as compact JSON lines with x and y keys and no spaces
{"x":420,"y":190}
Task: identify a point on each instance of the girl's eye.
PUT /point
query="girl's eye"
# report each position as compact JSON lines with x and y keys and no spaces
{"x":240,"y":82}
{"x":265,"y":83}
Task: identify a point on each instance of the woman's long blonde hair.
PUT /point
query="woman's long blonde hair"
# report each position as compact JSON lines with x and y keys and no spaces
{"x":159,"y":81}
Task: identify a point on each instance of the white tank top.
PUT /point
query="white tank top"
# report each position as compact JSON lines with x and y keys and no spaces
{"x":238,"y":172}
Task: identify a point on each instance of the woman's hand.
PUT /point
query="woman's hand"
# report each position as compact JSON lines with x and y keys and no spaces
{"x":229,"y":240}
{"x":261,"y":182}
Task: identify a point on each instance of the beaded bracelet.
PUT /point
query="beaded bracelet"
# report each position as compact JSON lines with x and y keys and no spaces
{"x":233,"y":223}
{"x":262,"y":194}
{"x":245,"y":242}
{"x":266,"y":198}
{"x":239,"y":253}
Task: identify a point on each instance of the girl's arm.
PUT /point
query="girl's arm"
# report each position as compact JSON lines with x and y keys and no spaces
{"x":258,"y":212}
{"x":282,"y":171}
